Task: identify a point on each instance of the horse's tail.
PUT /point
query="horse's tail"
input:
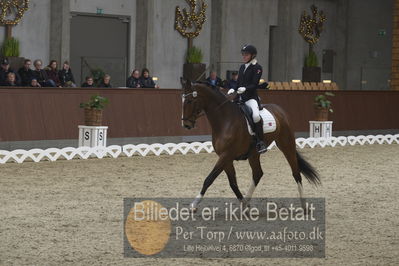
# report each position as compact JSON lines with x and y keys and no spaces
{"x":308,"y":171}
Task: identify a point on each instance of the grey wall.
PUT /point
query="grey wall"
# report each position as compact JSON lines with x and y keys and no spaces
{"x":351,"y":31}
{"x":288,"y":45}
{"x":245,"y":22}
{"x":166,"y":47}
{"x":114,"y":7}
{"x":99,"y":42}
{"x":34,"y":31}
{"x":368,"y":54}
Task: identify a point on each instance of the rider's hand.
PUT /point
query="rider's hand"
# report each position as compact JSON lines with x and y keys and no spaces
{"x":231,"y":91}
{"x":241,"y":90}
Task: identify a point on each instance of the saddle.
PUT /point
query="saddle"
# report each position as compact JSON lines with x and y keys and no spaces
{"x":267,"y":118}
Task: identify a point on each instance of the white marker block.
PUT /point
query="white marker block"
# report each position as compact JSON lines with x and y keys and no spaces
{"x":320,"y":129}
{"x":92,"y":136}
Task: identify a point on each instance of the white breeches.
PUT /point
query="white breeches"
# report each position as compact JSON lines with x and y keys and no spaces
{"x":255,"y":109}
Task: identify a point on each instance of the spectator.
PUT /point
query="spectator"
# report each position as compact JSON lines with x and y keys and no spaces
{"x":146,"y":80}
{"x":40,"y":75}
{"x":4,"y":70}
{"x":66,"y":76}
{"x":26,"y":73}
{"x":89,"y":82}
{"x":10,"y":80}
{"x":134,"y":80}
{"x":34,"y":83}
{"x":52,"y":73}
{"x":105,"y":82}
{"x":233,"y":82}
{"x":214,"y":80}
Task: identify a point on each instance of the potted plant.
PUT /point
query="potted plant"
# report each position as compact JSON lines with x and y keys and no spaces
{"x":194,"y":69}
{"x":11,"y":50}
{"x":98,"y":75}
{"x":310,"y":28}
{"x":311,"y":72}
{"x":94,"y":110}
{"x":323,"y":106}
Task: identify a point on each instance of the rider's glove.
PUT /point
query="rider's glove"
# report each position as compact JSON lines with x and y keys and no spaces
{"x":231,"y":91}
{"x":241,"y":90}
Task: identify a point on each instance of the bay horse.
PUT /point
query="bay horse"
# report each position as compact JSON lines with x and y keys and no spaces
{"x":232,"y":141}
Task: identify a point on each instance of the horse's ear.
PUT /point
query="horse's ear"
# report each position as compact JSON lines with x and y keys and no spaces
{"x":186,"y":84}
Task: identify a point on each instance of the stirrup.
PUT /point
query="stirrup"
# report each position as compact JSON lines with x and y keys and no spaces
{"x":261,"y":147}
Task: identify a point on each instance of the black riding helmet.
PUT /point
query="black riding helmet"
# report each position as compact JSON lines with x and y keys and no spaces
{"x":248,"y":48}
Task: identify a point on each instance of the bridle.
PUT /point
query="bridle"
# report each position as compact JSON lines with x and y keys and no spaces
{"x":198,"y":113}
{"x":195,"y":115}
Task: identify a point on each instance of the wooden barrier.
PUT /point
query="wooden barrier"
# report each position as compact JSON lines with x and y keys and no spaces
{"x":54,"y":113}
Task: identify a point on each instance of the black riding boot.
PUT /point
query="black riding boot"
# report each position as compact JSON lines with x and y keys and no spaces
{"x":260,"y":144}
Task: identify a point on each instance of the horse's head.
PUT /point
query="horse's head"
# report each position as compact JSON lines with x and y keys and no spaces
{"x":192,"y":103}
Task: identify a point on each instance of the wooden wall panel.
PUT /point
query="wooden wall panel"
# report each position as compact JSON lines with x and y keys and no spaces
{"x":54,"y":113}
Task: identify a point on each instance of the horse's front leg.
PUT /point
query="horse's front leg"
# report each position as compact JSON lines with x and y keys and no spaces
{"x":231,"y":175}
{"x":257,"y":173}
{"x":219,"y":166}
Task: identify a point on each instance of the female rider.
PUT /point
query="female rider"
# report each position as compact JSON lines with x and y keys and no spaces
{"x":248,"y":82}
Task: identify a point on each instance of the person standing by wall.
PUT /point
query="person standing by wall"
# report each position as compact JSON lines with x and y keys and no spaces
{"x":214,"y":80}
{"x":105,"y":82}
{"x":89,"y":83}
{"x":5,"y":69}
{"x":41,"y":76}
{"x":146,"y":80}
{"x":66,"y":76}
{"x":26,"y":73}
{"x":52,"y":73}
{"x":233,"y":82}
{"x":134,"y":80}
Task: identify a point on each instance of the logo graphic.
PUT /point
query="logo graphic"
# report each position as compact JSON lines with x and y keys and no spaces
{"x":148,"y":227}
{"x":224,"y":228}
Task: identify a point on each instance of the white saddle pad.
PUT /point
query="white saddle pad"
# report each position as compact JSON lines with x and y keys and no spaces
{"x":269,"y":122}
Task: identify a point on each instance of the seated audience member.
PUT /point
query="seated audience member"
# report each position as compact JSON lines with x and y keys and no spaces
{"x":233,"y":82}
{"x":26,"y":73}
{"x":134,"y":80}
{"x":106,"y":82}
{"x":10,"y":80}
{"x":40,"y":75}
{"x":4,"y":70}
{"x":52,"y":73}
{"x":214,"y":80}
{"x":66,"y":76}
{"x":146,"y":80}
{"x":34,"y":83}
{"x":89,"y":83}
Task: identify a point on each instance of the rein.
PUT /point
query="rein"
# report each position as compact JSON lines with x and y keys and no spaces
{"x":202,"y":113}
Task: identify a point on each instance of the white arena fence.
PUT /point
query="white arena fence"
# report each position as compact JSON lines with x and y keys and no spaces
{"x":115,"y":151}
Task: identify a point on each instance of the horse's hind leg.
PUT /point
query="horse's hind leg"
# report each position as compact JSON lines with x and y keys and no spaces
{"x":288,"y":147}
{"x":257,"y":173}
{"x":231,"y":175}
